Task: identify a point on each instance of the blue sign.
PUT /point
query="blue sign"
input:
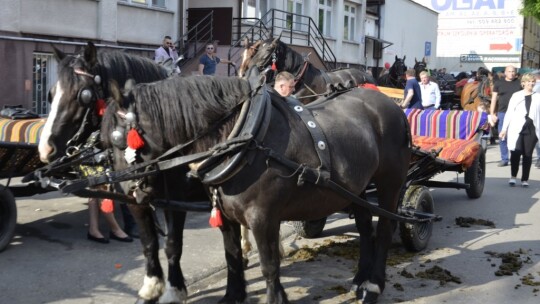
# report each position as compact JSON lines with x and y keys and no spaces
{"x":427,"y":49}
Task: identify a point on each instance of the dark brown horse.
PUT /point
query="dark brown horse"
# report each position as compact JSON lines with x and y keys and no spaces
{"x":281,"y":171}
{"x":394,"y":77}
{"x":311,"y":82}
{"x":83,"y":79}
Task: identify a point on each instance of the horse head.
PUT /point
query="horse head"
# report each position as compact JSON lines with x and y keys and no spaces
{"x":250,"y":49}
{"x":74,"y":102}
{"x":420,"y":66}
{"x":268,"y":52}
{"x":79,"y":94}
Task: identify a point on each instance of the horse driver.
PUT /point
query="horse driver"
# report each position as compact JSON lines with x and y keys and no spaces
{"x":284,"y":84}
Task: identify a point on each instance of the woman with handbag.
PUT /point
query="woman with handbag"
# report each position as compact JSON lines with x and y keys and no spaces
{"x":521,"y":127}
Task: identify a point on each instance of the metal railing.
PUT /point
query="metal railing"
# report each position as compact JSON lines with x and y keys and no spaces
{"x":196,"y":38}
{"x":294,"y":29}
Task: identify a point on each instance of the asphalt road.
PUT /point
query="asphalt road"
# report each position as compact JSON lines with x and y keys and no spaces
{"x":50,"y":260}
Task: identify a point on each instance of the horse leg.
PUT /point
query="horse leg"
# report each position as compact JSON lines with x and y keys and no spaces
{"x":175,"y":290}
{"x":364,"y":224}
{"x":246,"y":245}
{"x":388,"y":194}
{"x":236,"y":284}
{"x":268,"y":242}
{"x":153,"y":284}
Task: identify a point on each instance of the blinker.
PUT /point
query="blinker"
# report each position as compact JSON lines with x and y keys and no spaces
{"x":97,"y":79}
{"x":86,"y":96}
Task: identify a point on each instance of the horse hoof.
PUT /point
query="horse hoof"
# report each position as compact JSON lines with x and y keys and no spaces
{"x":365,"y":297}
{"x":245,"y":262}
{"x":143,"y":301}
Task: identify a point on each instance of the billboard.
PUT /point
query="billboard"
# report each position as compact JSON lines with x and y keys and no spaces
{"x":490,"y":28}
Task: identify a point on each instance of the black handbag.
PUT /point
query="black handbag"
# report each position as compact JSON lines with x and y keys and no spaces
{"x":527,"y":136}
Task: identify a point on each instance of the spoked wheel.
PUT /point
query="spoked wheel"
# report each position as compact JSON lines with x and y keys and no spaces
{"x":475,"y":175}
{"x":8,"y":216}
{"x":309,"y":229}
{"x":415,"y":236}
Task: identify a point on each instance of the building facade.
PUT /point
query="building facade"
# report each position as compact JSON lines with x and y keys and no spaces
{"x":29,"y":29}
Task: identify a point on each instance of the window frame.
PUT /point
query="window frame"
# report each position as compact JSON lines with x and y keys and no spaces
{"x":327,"y":13}
{"x":349,"y":16}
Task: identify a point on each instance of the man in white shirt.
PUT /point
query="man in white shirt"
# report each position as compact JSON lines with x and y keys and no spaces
{"x":431,"y":94}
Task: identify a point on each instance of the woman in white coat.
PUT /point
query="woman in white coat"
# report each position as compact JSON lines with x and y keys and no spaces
{"x":521,"y":130}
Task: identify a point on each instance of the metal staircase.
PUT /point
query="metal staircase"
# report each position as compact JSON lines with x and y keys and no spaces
{"x":295,"y":30}
{"x":298,"y":31}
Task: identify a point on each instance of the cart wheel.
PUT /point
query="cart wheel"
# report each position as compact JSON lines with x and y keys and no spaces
{"x":475,"y":176}
{"x":8,"y":216}
{"x":415,"y":236}
{"x":309,"y":229}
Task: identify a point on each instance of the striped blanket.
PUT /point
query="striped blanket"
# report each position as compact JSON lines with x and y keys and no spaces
{"x":445,"y":123}
{"x":21,"y":130}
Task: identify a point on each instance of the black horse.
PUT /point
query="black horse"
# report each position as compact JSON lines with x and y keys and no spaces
{"x":280,"y":171}
{"x":419,"y":66}
{"x":311,"y":82}
{"x":394,"y":77}
{"x":82,"y":80}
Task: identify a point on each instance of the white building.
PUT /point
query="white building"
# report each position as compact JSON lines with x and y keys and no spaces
{"x":28,"y":28}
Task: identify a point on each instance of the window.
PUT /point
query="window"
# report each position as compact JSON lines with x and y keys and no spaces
{"x":154,"y":3}
{"x":254,"y":8}
{"x":44,"y":76}
{"x":349,"y":23}
{"x":325,"y":17}
{"x":294,"y":22}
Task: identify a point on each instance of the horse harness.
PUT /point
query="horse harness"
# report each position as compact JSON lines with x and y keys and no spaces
{"x":225,"y":159}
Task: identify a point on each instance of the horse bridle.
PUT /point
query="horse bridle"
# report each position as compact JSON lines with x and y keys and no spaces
{"x":87,"y":97}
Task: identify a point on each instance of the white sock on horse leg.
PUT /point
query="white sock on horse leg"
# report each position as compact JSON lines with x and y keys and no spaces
{"x":152,"y":288}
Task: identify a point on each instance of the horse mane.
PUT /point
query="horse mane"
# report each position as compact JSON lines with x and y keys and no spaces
{"x":180,"y":108}
{"x":292,"y":60}
{"x":117,"y":65}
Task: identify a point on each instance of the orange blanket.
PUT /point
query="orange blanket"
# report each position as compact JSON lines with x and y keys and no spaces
{"x":455,"y":150}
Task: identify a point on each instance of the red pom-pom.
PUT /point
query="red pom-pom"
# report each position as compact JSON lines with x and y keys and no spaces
{"x":134,"y":140}
{"x":107,"y":206}
{"x":274,"y":67}
{"x":369,"y":86}
{"x":215,"y":218}
{"x":100,"y":107}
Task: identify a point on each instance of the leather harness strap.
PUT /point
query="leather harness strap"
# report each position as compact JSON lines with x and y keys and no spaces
{"x":317,"y":134}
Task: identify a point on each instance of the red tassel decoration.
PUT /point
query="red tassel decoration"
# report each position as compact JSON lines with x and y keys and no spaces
{"x":107,"y":206}
{"x":100,"y":107}
{"x":215,"y":218}
{"x":274,"y":67}
{"x":134,"y":140}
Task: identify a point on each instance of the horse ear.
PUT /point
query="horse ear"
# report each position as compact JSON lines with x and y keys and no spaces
{"x":404,"y":58}
{"x":245,"y":42}
{"x":58,"y":54}
{"x":90,"y":54}
{"x":397,"y":58}
{"x":276,"y":41}
{"x":114,"y":90}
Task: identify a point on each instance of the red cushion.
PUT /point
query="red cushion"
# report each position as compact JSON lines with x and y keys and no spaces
{"x":455,"y":150}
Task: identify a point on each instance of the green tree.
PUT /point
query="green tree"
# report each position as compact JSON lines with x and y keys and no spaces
{"x":531,"y":8}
